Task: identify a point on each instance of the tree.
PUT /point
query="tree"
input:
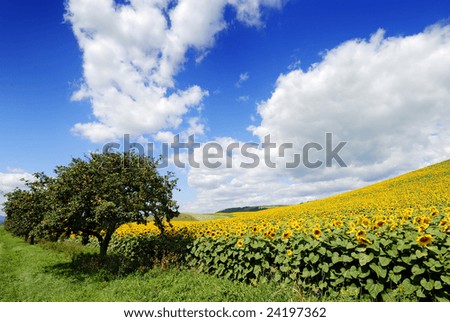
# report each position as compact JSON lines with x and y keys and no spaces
{"x":25,"y":208}
{"x":95,"y":195}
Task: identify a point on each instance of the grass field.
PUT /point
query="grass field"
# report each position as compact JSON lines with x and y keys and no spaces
{"x":46,"y":273}
{"x":190,"y":216}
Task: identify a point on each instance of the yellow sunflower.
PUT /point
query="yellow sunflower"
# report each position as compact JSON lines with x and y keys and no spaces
{"x":363,"y":240}
{"x":287,"y":234}
{"x":316,"y":232}
{"x":240,"y":243}
{"x":424,"y":240}
{"x":379,"y":223}
{"x":361,"y":233}
{"x":365,"y":222}
{"x":422,"y":228}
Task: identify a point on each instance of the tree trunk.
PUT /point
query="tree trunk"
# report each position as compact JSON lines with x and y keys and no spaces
{"x":105,"y":243}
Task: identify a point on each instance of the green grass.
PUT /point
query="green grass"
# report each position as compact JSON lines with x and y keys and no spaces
{"x":46,"y":273}
{"x":184,"y":216}
{"x":191,"y":216}
{"x":213,"y":216}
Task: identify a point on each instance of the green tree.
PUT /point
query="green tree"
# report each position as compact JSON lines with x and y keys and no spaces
{"x":25,"y":208}
{"x":95,"y":195}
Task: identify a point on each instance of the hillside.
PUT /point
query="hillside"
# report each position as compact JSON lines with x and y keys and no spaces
{"x":391,"y":203}
{"x":388,"y":241}
{"x":426,"y":187}
{"x":247,"y":209}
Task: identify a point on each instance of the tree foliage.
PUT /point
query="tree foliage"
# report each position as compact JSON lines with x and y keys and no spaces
{"x":93,"y":197}
{"x":25,"y":209}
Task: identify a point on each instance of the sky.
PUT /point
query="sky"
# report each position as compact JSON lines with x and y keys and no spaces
{"x":78,"y":74}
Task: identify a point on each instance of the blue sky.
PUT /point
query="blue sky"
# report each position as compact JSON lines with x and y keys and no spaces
{"x":71,"y":72}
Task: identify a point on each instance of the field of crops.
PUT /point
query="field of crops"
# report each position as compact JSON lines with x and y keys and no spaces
{"x":388,"y":241}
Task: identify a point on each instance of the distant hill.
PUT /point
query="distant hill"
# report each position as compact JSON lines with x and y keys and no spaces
{"x":2,"y":219}
{"x":247,"y":209}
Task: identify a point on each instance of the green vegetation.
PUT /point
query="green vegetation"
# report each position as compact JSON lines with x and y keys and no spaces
{"x":92,"y":197}
{"x":214,"y":216}
{"x":185,"y":216}
{"x":47,"y":273}
{"x":248,"y":209}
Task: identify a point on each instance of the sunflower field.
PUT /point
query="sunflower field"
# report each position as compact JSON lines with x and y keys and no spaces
{"x":389,"y":241}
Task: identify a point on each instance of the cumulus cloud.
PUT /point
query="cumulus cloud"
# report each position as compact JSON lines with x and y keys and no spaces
{"x":132,"y":52}
{"x":389,"y":97}
{"x":249,"y":11}
{"x":239,"y":180}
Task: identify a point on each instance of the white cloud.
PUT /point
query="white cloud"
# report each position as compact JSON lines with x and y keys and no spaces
{"x":249,"y":11}
{"x":15,"y":170}
{"x":295,"y":65}
{"x":243,"y":77}
{"x":164,"y":136}
{"x":196,"y":127}
{"x":237,"y":186}
{"x":10,"y":181}
{"x":243,"y":98}
{"x":389,"y":97}
{"x":132,"y":52}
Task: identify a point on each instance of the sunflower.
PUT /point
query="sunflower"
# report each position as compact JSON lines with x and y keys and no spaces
{"x":424,"y":240}
{"x":272,"y":234}
{"x":434,"y":211}
{"x":240,"y":243}
{"x":444,"y":222}
{"x":363,"y":240}
{"x":379,"y":223}
{"x":287,"y":234}
{"x":289,"y":252}
{"x":316,"y":232}
{"x":365,"y":222}
{"x":338,"y":223}
{"x":393,"y":226}
{"x":422,"y":228}
{"x":361,"y":233}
